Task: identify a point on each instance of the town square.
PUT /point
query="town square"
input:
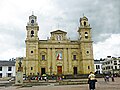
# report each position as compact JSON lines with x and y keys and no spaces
{"x":100,"y":85}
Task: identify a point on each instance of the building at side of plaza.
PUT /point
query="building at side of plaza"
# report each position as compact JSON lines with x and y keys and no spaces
{"x":98,"y":66}
{"x":111,"y":65}
{"x":58,"y":54}
{"x":7,"y":69}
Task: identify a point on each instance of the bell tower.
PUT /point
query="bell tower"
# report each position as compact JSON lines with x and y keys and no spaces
{"x":32,"y":41}
{"x":86,"y":47}
{"x":32,"y":28}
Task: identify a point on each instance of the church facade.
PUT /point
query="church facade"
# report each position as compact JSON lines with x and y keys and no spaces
{"x":58,"y":54}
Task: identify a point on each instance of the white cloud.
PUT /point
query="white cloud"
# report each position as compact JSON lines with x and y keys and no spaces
{"x":109,"y":47}
{"x":12,"y":53}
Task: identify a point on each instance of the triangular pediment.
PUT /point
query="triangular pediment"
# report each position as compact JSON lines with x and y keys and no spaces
{"x":58,"y":35}
{"x":58,"y":32}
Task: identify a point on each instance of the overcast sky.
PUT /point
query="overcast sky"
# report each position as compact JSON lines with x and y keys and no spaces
{"x":103,"y":15}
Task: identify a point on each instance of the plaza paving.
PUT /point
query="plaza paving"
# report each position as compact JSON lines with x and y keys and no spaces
{"x":100,"y":85}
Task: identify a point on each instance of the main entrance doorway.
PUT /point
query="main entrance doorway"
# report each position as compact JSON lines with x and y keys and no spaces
{"x":59,"y":69}
{"x":75,"y":70}
{"x":42,"y":71}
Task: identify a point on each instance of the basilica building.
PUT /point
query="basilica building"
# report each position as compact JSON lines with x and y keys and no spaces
{"x":58,"y":54}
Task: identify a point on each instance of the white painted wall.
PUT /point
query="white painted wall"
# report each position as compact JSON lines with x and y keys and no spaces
{"x":5,"y":71}
{"x":100,"y":69}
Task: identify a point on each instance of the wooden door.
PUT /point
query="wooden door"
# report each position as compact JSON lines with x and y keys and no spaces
{"x":59,"y":69}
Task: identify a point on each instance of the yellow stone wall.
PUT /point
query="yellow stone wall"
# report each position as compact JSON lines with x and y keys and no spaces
{"x":67,"y":61}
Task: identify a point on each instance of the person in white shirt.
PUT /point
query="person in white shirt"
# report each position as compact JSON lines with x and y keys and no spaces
{"x":91,"y":81}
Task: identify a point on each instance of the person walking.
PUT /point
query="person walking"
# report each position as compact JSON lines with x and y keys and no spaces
{"x":112,"y":77}
{"x":91,"y":81}
{"x":107,"y":78}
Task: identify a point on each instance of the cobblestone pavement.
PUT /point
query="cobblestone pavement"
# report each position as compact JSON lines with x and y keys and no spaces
{"x":100,"y":85}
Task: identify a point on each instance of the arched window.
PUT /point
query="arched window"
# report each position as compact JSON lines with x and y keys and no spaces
{"x":88,"y":67}
{"x":43,"y":55}
{"x":84,"y":23}
{"x":32,"y":33}
{"x":86,"y":35}
{"x":32,"y":21}
{"x":74,"y":57}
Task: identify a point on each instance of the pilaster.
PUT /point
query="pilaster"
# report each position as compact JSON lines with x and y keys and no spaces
{"x":70,"y":61}
{"x":65,"y":61}
{"x":49,"y":56}
{"x":54,"y":61}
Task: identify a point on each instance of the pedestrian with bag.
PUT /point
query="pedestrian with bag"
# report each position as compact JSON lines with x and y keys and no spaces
{"x":91,"y":81}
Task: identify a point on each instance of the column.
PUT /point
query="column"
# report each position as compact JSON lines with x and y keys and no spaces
{"x":70,"y":61}
{"x":53,"y":61}
{"x":79,"y":63}
{"x":49,"y":54}
{"x":65,"y":65}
